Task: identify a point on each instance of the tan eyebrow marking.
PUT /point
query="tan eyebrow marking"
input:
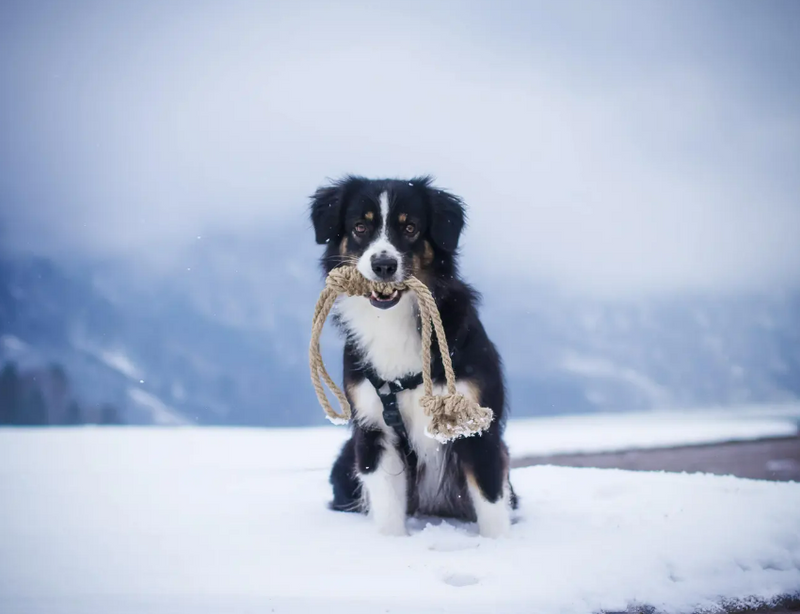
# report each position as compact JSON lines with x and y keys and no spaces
{"x":402,"y":217}
{"x":369,"y":215}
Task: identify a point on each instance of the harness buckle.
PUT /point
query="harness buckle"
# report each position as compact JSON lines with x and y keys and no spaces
{"x":387,"y":392}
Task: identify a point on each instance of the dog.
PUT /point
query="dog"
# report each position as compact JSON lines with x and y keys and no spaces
{"x":390,"y":468}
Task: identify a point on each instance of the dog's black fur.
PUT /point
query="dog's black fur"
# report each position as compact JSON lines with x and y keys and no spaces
{"x":431,"y":254}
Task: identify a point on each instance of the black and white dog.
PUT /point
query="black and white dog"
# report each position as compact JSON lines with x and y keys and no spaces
{"x":390,"y":229}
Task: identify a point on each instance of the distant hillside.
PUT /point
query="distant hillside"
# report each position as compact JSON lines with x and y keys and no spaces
{"x":225,"y":340}
{"x":158,"y":358}
{"x":43,"y":396}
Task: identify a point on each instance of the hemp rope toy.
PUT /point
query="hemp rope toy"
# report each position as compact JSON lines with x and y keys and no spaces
{"x":452,"y":415}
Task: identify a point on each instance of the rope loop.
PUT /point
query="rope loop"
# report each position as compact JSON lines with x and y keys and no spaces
{"x":452,"y":415}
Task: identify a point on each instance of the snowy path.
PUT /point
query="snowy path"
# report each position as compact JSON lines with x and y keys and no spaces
{"x":195,"y":521}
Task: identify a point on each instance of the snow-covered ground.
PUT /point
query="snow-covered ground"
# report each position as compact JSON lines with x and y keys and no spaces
{"x":609,"y":432}
{"x":194,"y":521}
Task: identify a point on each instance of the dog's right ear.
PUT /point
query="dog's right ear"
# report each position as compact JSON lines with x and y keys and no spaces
{"x":327,"y":208}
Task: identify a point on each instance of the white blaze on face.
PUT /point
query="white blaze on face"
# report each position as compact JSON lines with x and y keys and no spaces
{"x":381,"y":245}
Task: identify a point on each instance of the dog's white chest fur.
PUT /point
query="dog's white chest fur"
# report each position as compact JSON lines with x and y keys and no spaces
{"x":388,"y":338}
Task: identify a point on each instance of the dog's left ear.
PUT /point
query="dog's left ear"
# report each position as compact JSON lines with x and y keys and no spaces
{"x":447,"y":219}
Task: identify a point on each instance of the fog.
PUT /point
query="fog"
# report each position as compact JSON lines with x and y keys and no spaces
{"x":621,"y":147}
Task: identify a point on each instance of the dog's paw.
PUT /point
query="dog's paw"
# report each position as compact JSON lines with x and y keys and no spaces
{"x":494,"y":526}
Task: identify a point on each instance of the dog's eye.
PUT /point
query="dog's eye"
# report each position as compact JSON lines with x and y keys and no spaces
{"x":411,"y":229}
{"x":360,"y":228}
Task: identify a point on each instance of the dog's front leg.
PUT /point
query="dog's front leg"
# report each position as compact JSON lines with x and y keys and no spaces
{"x":383,"y":479}
{"x":485,"y":463}
{"x":493,"y":509}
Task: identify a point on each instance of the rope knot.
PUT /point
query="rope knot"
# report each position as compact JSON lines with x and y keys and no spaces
{"x":348,"y":280}
{"x":452,"y":415}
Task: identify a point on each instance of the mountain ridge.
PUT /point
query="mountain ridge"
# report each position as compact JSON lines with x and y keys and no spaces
{"x":227,"y":340}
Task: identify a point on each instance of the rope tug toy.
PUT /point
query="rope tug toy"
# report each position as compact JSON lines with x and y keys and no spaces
{"x":452,"y":415}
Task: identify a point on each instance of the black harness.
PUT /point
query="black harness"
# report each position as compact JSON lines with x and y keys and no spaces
{"x":387,"y":392}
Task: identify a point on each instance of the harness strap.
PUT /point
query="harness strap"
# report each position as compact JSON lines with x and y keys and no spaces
{"x":387,"y":392}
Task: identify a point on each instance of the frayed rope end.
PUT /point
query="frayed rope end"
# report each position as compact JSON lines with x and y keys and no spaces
{"x":337,"y":420}
{"x":454,"y":416}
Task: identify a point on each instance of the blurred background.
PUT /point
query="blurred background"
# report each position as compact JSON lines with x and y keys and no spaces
{"x":632,"y":171}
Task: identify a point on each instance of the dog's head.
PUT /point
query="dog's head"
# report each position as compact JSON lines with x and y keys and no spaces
{"x":389,"y":229}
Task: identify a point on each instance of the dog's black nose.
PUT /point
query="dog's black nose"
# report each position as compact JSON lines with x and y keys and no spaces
{"x":384,"y":266}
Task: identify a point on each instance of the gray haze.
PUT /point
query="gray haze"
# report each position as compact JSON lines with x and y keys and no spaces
{"x":607,"y":147}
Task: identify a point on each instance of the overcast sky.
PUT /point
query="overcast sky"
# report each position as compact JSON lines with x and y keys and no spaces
{"x":608,"y":147}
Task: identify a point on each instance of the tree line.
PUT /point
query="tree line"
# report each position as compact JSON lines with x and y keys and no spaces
{"x":44,"y":396}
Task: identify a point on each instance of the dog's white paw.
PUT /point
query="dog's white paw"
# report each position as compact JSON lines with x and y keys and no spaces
{"x":495,"y":527}
{"x":494,"y":520}
{"x":392,"y":529}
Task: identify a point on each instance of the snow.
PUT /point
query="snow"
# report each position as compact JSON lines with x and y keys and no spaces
{"x":12,"y":343}
{"x":161,"y":413}
{"x":601,"y":368}
{"x":115,"y":358}
{"x":628,"y":431}
{"x":119,"y":360}
{"x":189,"y":520}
